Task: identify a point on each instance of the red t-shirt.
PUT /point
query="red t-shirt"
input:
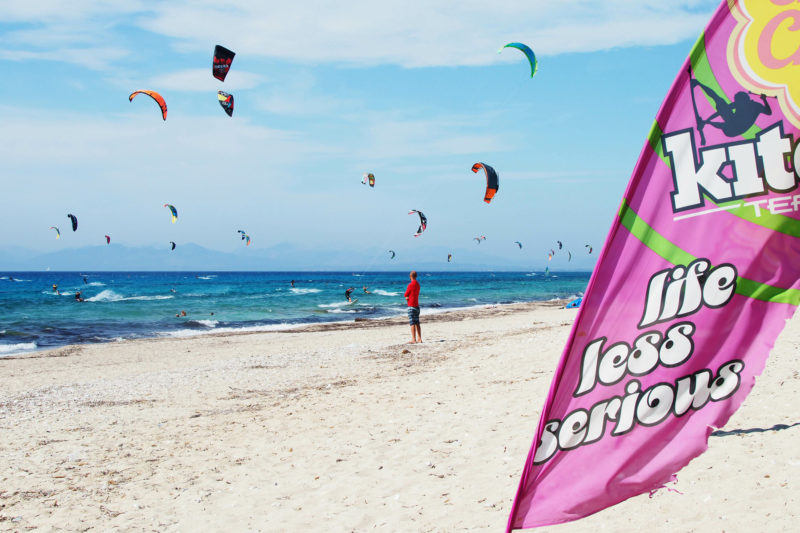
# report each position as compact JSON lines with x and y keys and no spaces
{"x":412,"y":293}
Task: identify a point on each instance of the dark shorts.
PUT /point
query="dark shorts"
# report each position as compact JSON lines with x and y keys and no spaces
{"x":413,"y":315}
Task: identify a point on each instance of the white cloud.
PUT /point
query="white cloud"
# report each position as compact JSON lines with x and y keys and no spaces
{"x":410,"y":33}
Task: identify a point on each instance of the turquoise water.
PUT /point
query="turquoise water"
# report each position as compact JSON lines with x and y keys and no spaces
{"x":127,"y":305}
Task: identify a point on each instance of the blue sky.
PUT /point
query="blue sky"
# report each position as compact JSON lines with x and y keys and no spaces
{"x":414,"y":92}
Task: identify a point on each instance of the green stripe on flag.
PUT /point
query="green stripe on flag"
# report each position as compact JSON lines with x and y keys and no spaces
{"x":677,"y":256}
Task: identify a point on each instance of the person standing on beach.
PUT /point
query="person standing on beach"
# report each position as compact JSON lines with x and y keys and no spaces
{"x":412,"y":298}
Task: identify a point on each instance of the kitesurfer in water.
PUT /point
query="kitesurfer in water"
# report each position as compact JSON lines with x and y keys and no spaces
{"x":366,"y":291}
{"x":412,"y":298}
{"x":735,"y":117}
{"x":347,"y":294}
{"x":55,"y":289}
{"x":85,"y":281}
{"x":292,"y":283}
{"x":78,"y":297}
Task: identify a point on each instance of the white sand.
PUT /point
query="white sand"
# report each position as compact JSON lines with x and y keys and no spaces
{"x":336,"y":429}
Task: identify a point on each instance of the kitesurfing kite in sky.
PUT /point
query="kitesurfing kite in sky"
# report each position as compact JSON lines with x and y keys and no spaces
{"x":173,"y":211}
{"x":74,"y":221}
{"x":58,"y":233}
{"x":155,"y":96}
{"x":172,"y":243}
{"x":368,"y":178}
{"x":247,"y":238}
{"x":525,"y":49}
{"x":449,"y":257}
{"x":222,"y":62}
{"x":518,"y":244}
{"x":492,"y":181}
{"x":423,"y":222}
{"x":393,"y":254}
{"x":108,"y":239}
{"x":242,"y":233}
{"x":589,"y":247}
{"x":226,"y":101}
{"x":560,"y":245}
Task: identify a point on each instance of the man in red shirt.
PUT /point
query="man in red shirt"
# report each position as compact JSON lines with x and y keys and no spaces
{"x":412,"y":297}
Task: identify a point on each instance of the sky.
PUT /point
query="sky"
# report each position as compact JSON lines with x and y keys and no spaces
{"x":412,"y":91}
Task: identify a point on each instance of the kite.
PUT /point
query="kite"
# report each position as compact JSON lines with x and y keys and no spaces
{"x":58,"y":233}
{"x":518,"y":244}
{"x":560,"y":246}
{"x":477,"y":239}
{"x":393,"y":254}
{"x":570,"y":256}
{"x":74,"y":220}
{"x":589,"y":247}
{"x":155,"y":96}
{"x":173,"y":244}
{"x":449,"y":257}
{"x":525,"y":49}
{"x":423,"y":222}
{"x":244,"y":233}
{"x":368,"y":177}
{"x":492,"y":181}
{"x":108,"y":239}
{"x":173,"y":211}
{"x":247,"y":238}
{"x":222,"y":64}
{"x":552,"y":252}
{"x":226,"y":101}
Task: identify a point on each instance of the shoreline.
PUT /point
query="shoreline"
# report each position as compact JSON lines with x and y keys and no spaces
{"x":430,"y":314}
{"x":347,"y":428}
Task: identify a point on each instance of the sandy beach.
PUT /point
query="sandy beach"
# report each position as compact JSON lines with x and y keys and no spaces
{"x":346,"y":428}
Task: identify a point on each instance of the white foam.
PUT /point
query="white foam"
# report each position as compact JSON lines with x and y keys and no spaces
{"x":206,"y":277}
{"x":12,"y":349}
{"x":304,"y":291}
{"x":382,"y":292}
{"x":335,"y":304}
{"x":97,"y":284}
{"x":342,"y":311}
{"x":208,"y":323}
{"x":196,"y":332}
{"x":108,"y":295}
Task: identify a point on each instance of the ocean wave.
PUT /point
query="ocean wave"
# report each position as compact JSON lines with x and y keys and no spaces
{"x":304,"y":291}
{"x":97,"y":284}
{"x":212,"y":276}
{"x":108,"y":295}
{"x":245,"y":329}
{"x":342,"y":311}
{"x":12,"y":349}
{"x":382,"y":292}
{"x":335,"y":304}
{"x":201,"y":323}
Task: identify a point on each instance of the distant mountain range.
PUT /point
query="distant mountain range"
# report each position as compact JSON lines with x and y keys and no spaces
{"x":281,"y":257}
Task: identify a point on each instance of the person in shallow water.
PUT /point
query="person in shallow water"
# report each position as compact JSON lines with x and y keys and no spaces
{"x":366,"y":291}
{"x":412,"y":299}
{"x":347,"y":294}
{"x":78,"y":297}
{"x":292,"y":283}
{"x":55,"y":288}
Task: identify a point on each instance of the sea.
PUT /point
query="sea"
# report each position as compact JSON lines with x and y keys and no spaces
{"x":130,"y":305}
